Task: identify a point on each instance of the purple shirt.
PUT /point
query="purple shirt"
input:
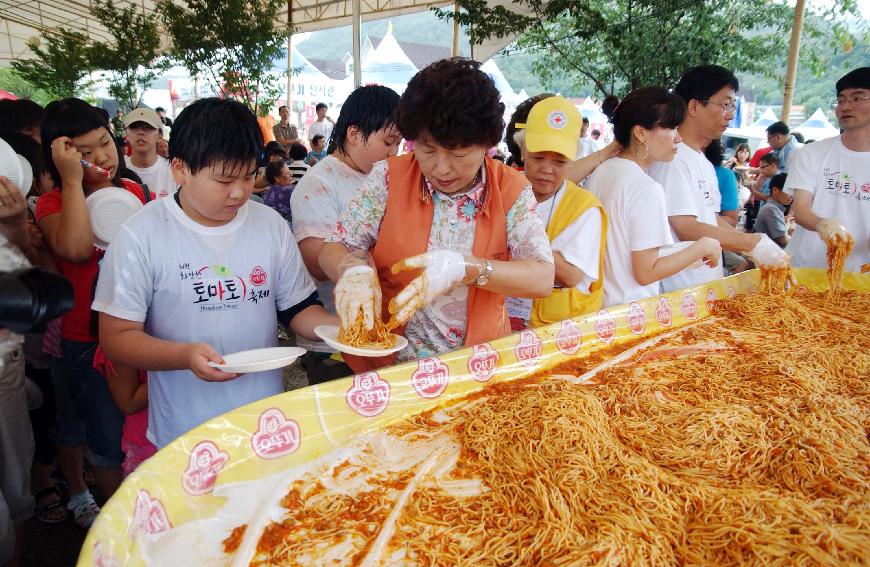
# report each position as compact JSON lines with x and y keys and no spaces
{"x":278,"y":197}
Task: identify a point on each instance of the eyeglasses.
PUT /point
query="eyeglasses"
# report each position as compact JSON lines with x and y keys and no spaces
{"x":853,"y":100}
{"x":727,"y":107}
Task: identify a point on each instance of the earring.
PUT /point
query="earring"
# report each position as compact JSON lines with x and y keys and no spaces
{"x":637,"y":153}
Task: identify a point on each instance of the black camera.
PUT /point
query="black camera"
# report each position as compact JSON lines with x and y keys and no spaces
{"x":31,"y":297}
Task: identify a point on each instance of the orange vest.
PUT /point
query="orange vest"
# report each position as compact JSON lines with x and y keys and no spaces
{"x":405,"y":230}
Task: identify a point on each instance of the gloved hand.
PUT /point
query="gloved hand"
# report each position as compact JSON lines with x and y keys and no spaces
{"x":767,"y":253}
{"x":357,"y":290}
{"x":831,"y":231}
{"x":443,"y":270}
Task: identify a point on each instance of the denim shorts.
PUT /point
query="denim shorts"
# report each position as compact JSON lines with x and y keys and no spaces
{"x":87,"y":414}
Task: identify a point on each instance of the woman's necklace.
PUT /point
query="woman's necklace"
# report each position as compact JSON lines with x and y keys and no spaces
{"x":553,"y":198}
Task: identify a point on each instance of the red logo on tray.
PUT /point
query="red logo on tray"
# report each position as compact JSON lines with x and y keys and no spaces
{"x":149,"y":516}
{"x":482,"y":362}
{"x":102,"y":558}
{"x":605,"y":327}
{"x":731,"y":292}
{"x":711,"y":299}
{"x":528,"y":349}
{"x":689,"y":307}
{"x":258,"y":276}
{"x":430,"y":378}
{"x":276,"y":435}
{"x":663,"y":312}
{"x":205,"y":462}
{"x":569,"y":338}
{"x":636,"y":318}
{"x":369,"y":394}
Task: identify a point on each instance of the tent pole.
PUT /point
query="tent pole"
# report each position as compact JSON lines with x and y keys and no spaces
{"x":289,"y":58}
{"x":793,"y":51}
{"x":357,"y":64}
{"x":455,"y":51}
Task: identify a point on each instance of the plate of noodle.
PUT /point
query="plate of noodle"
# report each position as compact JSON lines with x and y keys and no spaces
{"x":360,"y":342}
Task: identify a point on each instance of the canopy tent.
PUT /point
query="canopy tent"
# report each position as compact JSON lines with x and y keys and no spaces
{"x":508,"y":95}
{"x":388,"y":64}
{"x":817,"y":127}
{"x":757,"y":129}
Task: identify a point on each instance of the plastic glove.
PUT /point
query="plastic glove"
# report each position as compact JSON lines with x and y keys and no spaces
{"x":443,"y":270}
{"x":767,"y":253}
{"x":357,"y":290}
{"x":831,"y":231}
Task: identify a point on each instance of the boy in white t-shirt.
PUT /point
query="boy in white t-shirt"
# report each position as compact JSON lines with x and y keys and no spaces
{"x":364,"y":134}
{"x":830,"y":182}
{"x":202,"y":273}
{"x":143,"y":133}
{"x":689,"y":181}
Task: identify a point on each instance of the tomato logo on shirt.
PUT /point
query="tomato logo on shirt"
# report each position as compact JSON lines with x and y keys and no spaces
{"x":482,"y":362}
{"x":369,"y":395}
{"x":276,"y":435}
{"x":258,"y":276}
{"x":203,"y":466}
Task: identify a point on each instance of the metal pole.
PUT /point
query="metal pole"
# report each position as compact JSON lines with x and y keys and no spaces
{"x":289,"y":47}
{"x":793,"y":52}
{"x":455,"y":51}
{"x":357,"y":25}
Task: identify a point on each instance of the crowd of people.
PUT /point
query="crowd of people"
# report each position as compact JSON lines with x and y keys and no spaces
{"x":453,"y":247}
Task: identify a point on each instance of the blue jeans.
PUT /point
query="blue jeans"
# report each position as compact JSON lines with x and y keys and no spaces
{"x":88,"y":415}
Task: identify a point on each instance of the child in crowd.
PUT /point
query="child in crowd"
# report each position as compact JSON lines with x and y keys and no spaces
{"x":271,"y":152}
{"x":772,"y":218}
{"x":760,"y":188}
{"x":364,"y":134}
{"x":318,"y":150}
{"x":297,"y":166}
{"x":185,"y":274}
{"x":72,"y":131}
{"x":280,"y":188}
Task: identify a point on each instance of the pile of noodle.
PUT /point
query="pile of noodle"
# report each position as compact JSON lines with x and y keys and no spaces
{"x":379,"y":337}
{"x":837,"y":253}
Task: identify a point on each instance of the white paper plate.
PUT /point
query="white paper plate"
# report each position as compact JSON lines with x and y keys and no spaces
{"x":329,"y":334}
{"x":258,"y":360}
{"x":109,"y":208}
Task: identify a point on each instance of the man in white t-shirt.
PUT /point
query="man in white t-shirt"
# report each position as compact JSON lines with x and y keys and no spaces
{"x":587,"y":145}
{"x":189,"y":278}
{"x":689,"y":181}
{"x":830,"y":182}
{"x":364,"y":134}
{"x":143,"y":133}
{"x":323,"y":125}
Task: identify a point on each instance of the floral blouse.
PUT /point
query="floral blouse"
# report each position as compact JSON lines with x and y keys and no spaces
{"x":440,"y":326}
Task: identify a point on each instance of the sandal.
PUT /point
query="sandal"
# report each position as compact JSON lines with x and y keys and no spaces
{"x":46,"y":510}
{"x":85,"y":512}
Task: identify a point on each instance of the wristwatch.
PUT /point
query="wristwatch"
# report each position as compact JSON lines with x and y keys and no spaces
{"x":483,"y":278}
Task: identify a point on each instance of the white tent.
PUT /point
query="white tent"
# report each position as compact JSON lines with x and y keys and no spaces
{"x":508,"y":95}
{"x":592,"y":111}
{"x":388,"y":64}
{"x":818,"y":127}
{"x":757,"y":129}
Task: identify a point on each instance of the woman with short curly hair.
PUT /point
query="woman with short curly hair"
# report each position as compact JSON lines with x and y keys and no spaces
{"x":449,"y":231}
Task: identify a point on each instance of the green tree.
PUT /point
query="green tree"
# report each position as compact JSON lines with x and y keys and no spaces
{"x":59,"y":65}
{"x":614,"y":46}
{"x":232,"y":44}
{"x":133,"y":56}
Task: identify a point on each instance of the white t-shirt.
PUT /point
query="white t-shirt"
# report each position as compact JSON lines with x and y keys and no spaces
{"x":316,"y":204}
{"x":192,"y":283}
{"x":158,"y":177}
{"x":636,"y":220}
{"x":839,"y":180}
{"x":586,"y":146}
{"x":691,"y":189}
{"x":579,"y":244}
{"x":323,"y":128}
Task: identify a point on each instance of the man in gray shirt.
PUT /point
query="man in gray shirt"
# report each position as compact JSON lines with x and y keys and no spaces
{"x":771,"y":218}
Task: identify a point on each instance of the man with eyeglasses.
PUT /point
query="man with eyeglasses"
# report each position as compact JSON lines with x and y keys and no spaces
{"x":691,"y":189}
{"x":830,"y":182}
{"x":782,"y":143}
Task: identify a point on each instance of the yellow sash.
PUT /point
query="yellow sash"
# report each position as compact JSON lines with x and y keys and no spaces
{"x":568,"y":302}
